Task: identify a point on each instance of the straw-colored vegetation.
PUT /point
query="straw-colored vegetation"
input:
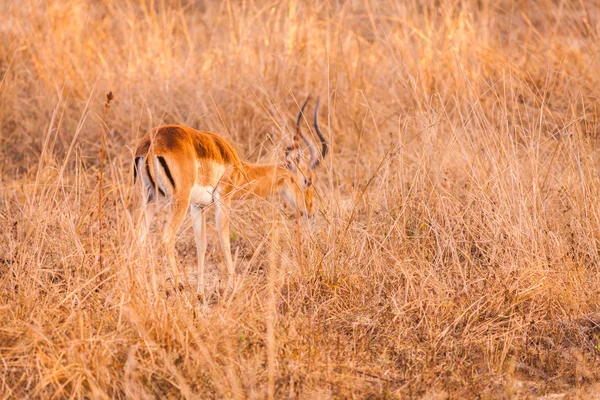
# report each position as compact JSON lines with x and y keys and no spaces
{"x":456,"y":250}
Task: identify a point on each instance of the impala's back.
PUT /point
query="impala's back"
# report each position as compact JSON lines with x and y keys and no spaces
{"x":175,"y":161}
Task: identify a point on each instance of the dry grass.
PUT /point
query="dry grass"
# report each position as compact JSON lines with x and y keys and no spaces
{"x":457,"y":250}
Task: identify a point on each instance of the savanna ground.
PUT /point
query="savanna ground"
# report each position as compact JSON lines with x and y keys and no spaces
{"x":456,"y":248}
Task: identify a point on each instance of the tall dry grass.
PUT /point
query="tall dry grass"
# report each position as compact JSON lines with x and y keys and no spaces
{"x":456,"y":252}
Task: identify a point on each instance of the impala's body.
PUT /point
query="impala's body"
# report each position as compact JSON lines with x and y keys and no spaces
{"x":193,"y":169}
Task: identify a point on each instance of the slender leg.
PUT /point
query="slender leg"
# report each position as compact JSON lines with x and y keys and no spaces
{"x":150,"y":208}
{"x":222,"y":217}
{"x":179,"y":208}
{"x":199,"y":222}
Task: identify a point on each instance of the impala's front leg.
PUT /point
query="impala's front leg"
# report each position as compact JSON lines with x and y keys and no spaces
{"x":223,"y":217}
{"x":179,"y":207}
{"x":199,"y":223}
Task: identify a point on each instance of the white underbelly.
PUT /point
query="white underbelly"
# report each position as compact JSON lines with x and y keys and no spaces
{"x":201,"y":195}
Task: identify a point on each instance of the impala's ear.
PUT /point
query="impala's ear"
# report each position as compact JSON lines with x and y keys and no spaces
{"x":292,"y":156}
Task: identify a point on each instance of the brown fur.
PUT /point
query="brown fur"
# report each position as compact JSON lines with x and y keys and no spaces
{"x":194,"y":168}
{"x":184,"y":147}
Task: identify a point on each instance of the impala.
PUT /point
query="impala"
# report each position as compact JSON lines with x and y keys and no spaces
{"x":194,"y":169}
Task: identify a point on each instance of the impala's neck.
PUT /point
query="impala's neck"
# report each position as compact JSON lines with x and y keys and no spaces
{"x":259,"y":179}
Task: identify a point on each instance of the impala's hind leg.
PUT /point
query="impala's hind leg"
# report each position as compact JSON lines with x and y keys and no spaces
{"x":150,"y":208}
{"x":149,"y":205}
{"x":222,"y":219}
{"x":179,"y":208}
{"x":199,"y":222}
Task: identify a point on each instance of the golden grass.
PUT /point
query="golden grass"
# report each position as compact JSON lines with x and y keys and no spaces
{"x":456,"y":252}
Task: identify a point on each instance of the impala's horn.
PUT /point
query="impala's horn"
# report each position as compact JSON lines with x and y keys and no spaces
{"x":298,"y":134}
{"x":315,"y":158}
{"x":309,"y":143}
{"x":294,"y":149}
{"x":314,"y":162}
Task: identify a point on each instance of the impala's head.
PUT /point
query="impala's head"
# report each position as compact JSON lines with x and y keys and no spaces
{"x":299,"y":190}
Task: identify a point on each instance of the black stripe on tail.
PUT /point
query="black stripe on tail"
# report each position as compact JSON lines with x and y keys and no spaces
{"x":152,"y":180}
{"x":167,"y":170}
{"x":135,"y":167}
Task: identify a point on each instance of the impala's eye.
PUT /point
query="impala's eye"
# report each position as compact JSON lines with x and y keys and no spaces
{"x":307,"y":182}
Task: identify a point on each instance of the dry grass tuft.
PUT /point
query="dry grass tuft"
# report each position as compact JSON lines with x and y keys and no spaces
{"x":457,"y":250}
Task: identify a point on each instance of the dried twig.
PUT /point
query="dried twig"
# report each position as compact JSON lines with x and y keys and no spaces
{"x":109,"y":98}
